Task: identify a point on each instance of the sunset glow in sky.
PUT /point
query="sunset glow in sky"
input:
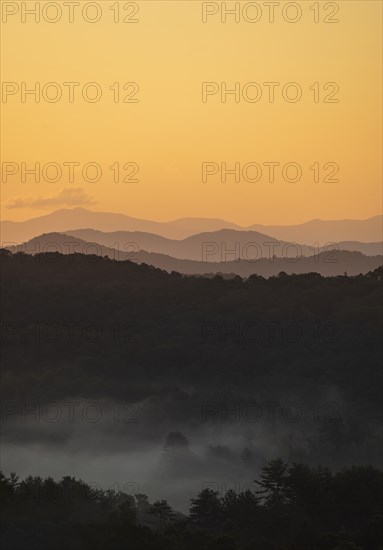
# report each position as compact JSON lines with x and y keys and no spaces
{"x":170,"y":132}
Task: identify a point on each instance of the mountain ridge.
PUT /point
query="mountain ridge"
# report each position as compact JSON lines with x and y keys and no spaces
{"x":324,"y":263}
{"x":66,"y":219}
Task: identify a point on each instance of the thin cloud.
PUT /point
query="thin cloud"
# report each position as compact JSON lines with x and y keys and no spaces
{"x":67,"y":197}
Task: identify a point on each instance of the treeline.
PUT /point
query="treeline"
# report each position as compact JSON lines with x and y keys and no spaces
{"x":294,"y":507}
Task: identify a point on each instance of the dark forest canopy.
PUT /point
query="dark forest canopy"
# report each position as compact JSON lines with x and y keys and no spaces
{"x":295,"y":507}
{"x":93,"y":328}
{"x":80,"y":326}
{"x":171,"y":329}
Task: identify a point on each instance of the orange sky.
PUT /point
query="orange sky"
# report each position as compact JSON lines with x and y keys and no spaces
{"x":170,"y":132}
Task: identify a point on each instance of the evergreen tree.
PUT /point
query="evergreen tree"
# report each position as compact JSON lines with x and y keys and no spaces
{"x":206,"y":509}
{"x":162,"y":511}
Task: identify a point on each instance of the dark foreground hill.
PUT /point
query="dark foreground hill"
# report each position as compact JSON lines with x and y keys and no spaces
{"x":85,"y":326}
{"x":205,"y":356}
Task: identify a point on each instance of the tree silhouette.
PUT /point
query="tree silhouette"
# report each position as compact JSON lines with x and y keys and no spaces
{"x":161,"y":510}
{"x":128,"y":512}
{"x":206,"y":509}
{"x":142,"y":502}
{"x":274,"y":482}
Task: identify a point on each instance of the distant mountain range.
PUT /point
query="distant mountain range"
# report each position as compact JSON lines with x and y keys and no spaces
{"x":327,"y":263}
{"x":325,"y":231}
{"x":314,"y":231}
{"x":80,"y":218}
{"x":216,"y":246}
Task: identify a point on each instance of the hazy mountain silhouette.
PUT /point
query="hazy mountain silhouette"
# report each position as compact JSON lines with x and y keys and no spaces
{"x":329,"y":263}
{"x":225,"y":244}
{"x":368,"y":249}
{"x":215,"y":246}
{"x":80,"y":218}
{"x":324,"y":231}
{"x":63,"y":220}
